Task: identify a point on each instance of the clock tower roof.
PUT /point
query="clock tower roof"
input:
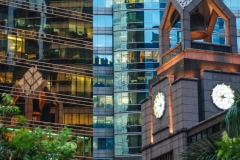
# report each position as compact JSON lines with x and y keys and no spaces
{"x":187,"y":11}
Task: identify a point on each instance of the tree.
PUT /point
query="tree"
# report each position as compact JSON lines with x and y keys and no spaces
{"x":228,"y":148}
{"x":20,"y":143}
{"x":229,"y":145}
{"x":8,"y":107}
{"x":202,"y":150}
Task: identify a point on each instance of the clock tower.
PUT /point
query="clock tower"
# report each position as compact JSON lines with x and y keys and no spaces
{"x":195,"y":82}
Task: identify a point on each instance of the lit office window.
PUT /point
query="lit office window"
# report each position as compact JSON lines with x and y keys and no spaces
{"x":102,"y":122}
{"x":77,"y":119}
{"x":103,"y":101}
{"x":103,"y":81}
{"x":16,"y":44}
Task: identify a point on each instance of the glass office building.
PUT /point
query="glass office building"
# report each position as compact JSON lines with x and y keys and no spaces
{"x":103,"y":140}
{"x":234,"y":6}
{"x":118,"y":39}
{"x":46,"y":61}
{"x":136,"y":57}
{"x":135,"y":46}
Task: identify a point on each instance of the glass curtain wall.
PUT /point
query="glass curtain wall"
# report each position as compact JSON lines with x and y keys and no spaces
{"x":103,"y":140}
{"x":50,"y":41}
{"x":136,"y":24}
{"x":135,"y":37}
{"x":234,"y":6}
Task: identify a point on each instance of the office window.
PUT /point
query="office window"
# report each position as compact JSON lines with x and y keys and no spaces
{"x":102,"y":122}
{"x":103,"y":101}
{"x":102,"y":60}
{"x":102,"y":21}
{"x":102,"y":40}
{"x":102,"y":3}
{"x":103,"y":143}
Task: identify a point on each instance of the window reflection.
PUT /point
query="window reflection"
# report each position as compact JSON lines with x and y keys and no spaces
{"x":126,"y":122}
{"x":175,"y":37}
{"x":103,"y":143}
{"x":102,"y":21}
{"x":84,"y":146}
{"x":232,"y":4}
{"x":124,"y":99}
{"x":102,"y":3}
{"x":132,"y":80}
{"x":69,"y":84}
{"x":102,"y":122}
{"x":102,"y":60}
{"x":6,"y":77}
{"x":54,"y":25}
{"x":103,"y":101}
{"x":127,"y":144}
{"x":78,"y":119}
{"x":29,"y":49}
{"x":103,"y":81}
{"x":16,"y":45}
{"x":136,"y":39}
{"x":136,"y":56}
{"x":102,"y":40}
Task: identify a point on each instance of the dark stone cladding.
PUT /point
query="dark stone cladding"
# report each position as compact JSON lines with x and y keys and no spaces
{"x":191,"y":131}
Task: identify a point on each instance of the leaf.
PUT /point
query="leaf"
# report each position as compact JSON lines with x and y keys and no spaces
{"x":204,"y":149}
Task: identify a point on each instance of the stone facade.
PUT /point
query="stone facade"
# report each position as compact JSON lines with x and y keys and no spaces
{"x":189,"y":99}
{"x":187,"y":75}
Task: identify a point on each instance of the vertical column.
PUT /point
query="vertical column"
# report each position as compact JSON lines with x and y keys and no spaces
{"x":185,"y":103}
{"x":28,"y":108}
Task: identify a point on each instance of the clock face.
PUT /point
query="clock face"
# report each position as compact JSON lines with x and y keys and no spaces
{"x":223,"y":96}
{"x":159,"y":105}
{"x":184,"y":3}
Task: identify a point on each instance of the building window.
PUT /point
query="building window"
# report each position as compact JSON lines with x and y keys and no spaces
{"x":102,"y":21}
{"x":102,"y":60}
{"x":103,"y":101}
{"x":166,"y":156}
{"x":102,"y":3}
{"x":103,"y":143}
{"x":16,"y":45}
{"x":78,"y":119}
{"x":102,"y":40}
{"x":102,"y":122}
{"x":103,"y":81}
{"x":6,"y":77}
{"x":84,"y":145}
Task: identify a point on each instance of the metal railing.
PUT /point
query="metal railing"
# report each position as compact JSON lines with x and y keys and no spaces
{"x":211,"y":47}
{"x":171,"y":53}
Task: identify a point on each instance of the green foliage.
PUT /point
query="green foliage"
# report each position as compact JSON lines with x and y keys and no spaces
{"x":202,"y":150}
{"x":21,"y":121}
{"x":8,"y":107}
{"x":232,"y":120}
{"x":42,"y":144}
{"x":20,"y":143}
{"x":228,"y":148}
